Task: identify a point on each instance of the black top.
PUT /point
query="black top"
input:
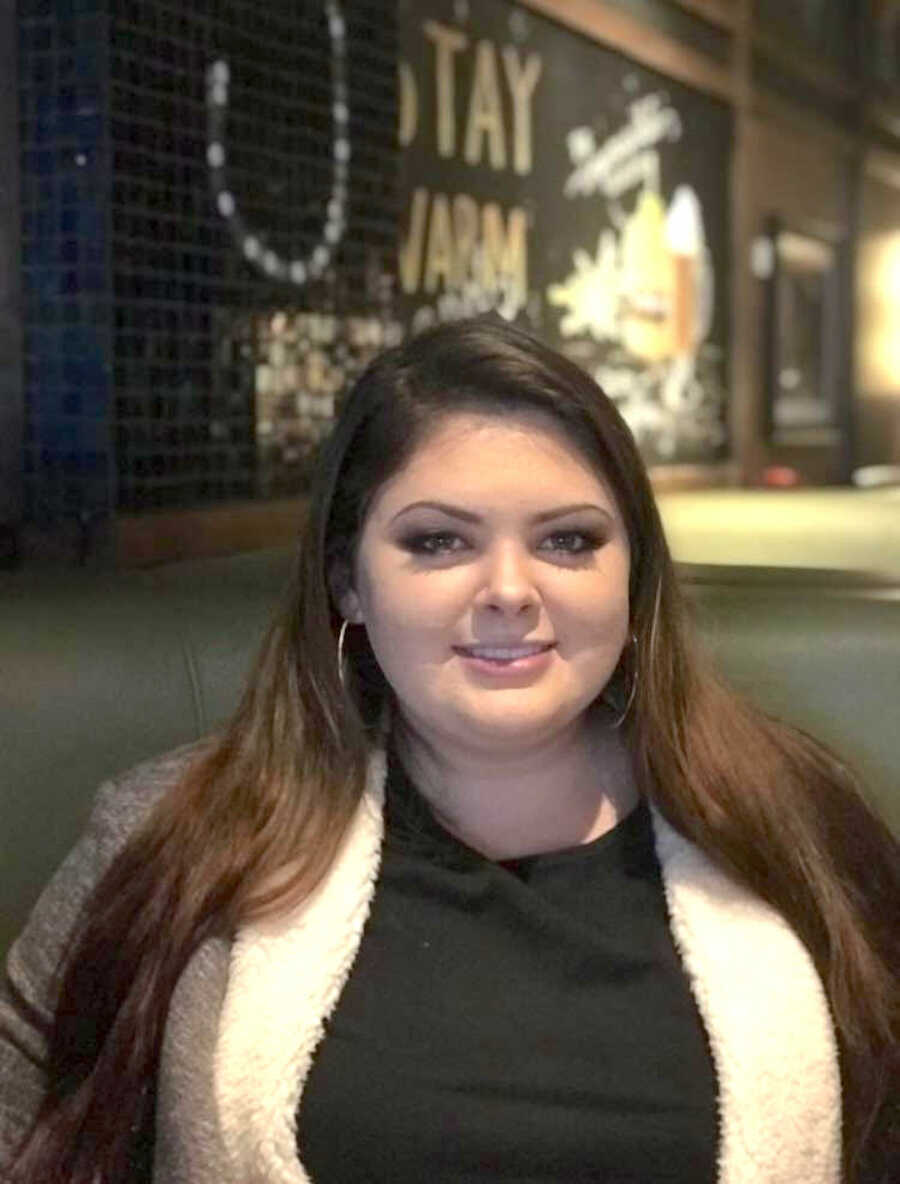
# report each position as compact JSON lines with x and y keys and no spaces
{"x":521,"y":1020}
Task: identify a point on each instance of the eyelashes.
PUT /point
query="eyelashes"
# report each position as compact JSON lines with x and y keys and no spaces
{"x":432,"y":543}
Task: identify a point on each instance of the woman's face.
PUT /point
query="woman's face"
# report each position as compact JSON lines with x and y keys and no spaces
{"x":429,"y":581}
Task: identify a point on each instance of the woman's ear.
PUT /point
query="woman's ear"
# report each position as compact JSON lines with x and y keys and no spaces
{"x":343,"y":594}
{"x":350,"y":608}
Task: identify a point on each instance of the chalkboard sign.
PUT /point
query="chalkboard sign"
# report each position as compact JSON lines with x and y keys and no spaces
{"x":578,"y":194}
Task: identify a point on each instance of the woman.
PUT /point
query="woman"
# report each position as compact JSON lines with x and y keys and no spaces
{"x":562,"y":906}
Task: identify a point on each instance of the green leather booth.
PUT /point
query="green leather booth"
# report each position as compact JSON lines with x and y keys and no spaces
{"x":99,"y":671}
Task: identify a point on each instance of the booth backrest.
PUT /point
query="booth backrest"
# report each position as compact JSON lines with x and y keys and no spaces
{"x":98,"y":672}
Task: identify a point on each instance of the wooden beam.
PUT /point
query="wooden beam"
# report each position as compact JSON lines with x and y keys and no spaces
{"x":715,"y":12}
{"x":882,"y":165}
{"x":744,"y":404}
{"x":805,"y":66}
{"x":886,"y":114}
{"x":668,"y":478}
{"x":646,"y":45}
{"x":774,"y":108}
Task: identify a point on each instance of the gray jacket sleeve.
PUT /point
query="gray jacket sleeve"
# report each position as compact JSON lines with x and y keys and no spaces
{"x":27,"y":988}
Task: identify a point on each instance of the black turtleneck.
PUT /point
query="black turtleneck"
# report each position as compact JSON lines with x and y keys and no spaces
{"x":523,"y":1020}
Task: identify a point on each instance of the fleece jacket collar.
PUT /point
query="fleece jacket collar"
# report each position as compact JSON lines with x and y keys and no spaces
{"x":758,"y":994}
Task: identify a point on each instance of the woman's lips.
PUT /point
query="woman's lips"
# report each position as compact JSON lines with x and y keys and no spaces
{"x":508,"y":668}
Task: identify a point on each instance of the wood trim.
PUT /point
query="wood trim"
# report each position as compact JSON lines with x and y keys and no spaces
{"x":715,"y":12}
{"x":813,"y":437}
{"x":804,"y":66}
{"x":767,"y":106}
{"x":886,"y":115}
{"x":882,"y":165}
{"x":669,"y":478}
{"x":646,"y":45}
{"x":744,"y":414}
{"x":831,"y":233}
{"x":142,"y":540}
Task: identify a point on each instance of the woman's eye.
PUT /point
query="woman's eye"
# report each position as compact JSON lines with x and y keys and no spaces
{"x":587,"y":541}
{"x":433,"y":543}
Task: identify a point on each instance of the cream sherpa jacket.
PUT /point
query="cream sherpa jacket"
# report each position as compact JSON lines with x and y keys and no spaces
{"x":247,"y":1015}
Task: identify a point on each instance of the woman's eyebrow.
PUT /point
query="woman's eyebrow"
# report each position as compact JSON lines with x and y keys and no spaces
{"x":468,"y":516}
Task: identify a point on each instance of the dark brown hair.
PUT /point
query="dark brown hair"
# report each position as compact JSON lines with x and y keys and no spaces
{"x":256,"y":822}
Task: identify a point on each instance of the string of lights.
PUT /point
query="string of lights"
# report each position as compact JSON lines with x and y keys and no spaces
{"x":251,"y":241}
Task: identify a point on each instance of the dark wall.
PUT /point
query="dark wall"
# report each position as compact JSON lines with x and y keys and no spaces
{"x":222,"y":185}
{"x":176,"y":354}
{"x":10,"y":294}
{"x":69,"y":469}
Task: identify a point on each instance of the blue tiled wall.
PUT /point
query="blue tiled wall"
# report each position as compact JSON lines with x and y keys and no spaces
{"x":65,"y":185}
{"x":140,"y":354}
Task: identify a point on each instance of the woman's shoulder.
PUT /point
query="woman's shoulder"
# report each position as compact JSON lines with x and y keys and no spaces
{"x":120,"y":806}
{"x":28,"y":989}
{"x":123,"y":801}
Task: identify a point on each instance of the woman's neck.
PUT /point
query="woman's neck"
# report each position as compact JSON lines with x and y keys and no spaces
{"x":567,"y":791}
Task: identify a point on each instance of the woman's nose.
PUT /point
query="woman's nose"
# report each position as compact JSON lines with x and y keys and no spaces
{"x":508,"y":577}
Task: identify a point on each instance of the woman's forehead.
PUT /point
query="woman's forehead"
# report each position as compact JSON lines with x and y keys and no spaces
{"x":526,"y":456}
{"x":531,"y":433}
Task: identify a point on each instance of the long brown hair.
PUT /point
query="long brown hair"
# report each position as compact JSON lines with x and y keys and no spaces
{"x":256,"y":821}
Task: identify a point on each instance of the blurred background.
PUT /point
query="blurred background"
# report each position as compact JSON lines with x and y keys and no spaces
{"x":213,"y":215}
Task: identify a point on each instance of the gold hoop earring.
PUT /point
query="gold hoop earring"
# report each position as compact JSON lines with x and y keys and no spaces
{"x":340,"y":654}
{"x":634,"y":685}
